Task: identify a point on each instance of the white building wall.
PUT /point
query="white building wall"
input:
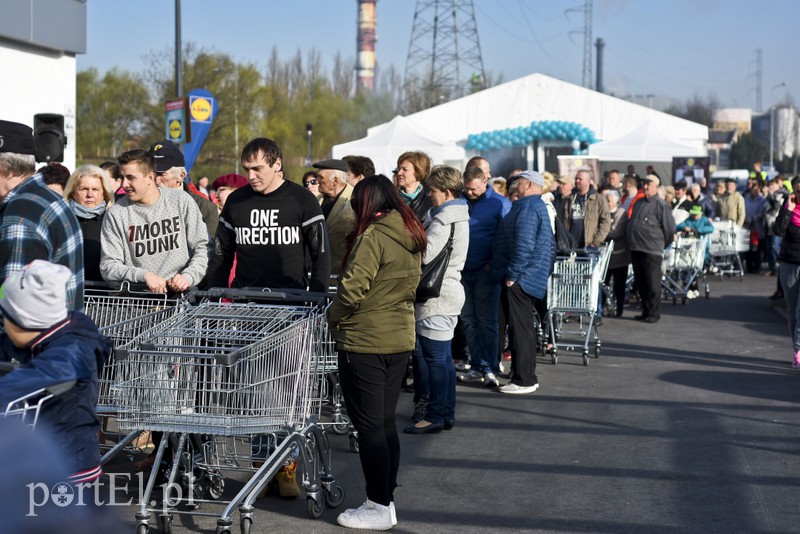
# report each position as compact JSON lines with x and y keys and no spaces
{"x":39,"y":81}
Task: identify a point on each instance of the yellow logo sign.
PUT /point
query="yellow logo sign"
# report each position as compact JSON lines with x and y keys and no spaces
{"x":201,"y":109}
{"x":175,"y":129}
{"x":690,"y":162}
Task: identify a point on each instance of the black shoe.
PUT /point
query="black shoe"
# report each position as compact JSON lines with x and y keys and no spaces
{"x":651,"y":320}
{"x":432,"y":428}
{"x":641,"y":317}
{"x":598,"y":321}
{"x":448,"y":425}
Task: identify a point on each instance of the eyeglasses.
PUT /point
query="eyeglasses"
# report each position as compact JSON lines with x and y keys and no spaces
{"x":311,"y":182}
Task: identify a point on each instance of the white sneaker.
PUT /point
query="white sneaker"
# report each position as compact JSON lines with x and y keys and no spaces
{"x":368,"y":516}
{"x":514,"y":389}
{"x":461,"y":365}
{"x":490,"y":381}
{"x":394,"y":515}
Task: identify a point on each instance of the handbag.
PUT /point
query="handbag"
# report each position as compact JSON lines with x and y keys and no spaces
{"x":430,"y":283}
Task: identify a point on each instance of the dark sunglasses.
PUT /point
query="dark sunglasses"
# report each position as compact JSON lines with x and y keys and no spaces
{"x":311,"y":182}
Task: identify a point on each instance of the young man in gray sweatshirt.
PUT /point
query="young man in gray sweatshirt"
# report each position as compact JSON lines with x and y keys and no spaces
{"x":153,"y":235}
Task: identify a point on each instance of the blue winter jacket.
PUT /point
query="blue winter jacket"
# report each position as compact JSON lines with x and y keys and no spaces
{"x":485,"y":215}
{"x":525,"y":247}
{"x":70,"y":350}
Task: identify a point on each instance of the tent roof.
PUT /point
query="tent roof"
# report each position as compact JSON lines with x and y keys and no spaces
{"x":537,"y":97}
{"x":387,"y":142}
{"x":645,"y":143}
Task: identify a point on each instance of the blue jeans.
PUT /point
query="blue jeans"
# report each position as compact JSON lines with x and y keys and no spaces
{"x":433,"y":366}
{"x":479,"y":315}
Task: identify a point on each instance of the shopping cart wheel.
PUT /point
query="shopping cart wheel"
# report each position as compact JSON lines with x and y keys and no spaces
{"x":314,"y":508}
{"x":597,"y":351}
{"x":683,"y":301}
{"x":215,"y":486}
{"x":335,"y":497}
{"x":586,"y":357}
{"x":142,"y":529}
{"x":244,"y":525}
{"x":353,"y":444}
{"x":554,"y":356}
{"x":165,"y":523}
{"x":341,"y":426}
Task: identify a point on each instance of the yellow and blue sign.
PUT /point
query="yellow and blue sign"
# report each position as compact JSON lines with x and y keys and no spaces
{"x":176,"y":126}
{"x":203,"y":110}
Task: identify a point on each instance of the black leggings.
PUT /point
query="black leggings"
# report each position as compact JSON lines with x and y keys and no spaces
{"x":371,"y":387}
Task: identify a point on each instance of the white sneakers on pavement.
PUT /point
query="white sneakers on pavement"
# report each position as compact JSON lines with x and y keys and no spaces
{"x":369,"y":516}
{"x":515,"y":389}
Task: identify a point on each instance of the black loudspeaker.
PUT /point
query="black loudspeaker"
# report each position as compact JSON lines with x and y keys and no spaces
{"x":48,"y":134}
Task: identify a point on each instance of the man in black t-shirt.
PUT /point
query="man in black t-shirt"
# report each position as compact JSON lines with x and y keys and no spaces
{"x":269,"y":227}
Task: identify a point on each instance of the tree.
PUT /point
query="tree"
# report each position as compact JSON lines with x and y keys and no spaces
{"x":746,"y":151}
{"x":697,"y":110}
{"x":111,"y":113}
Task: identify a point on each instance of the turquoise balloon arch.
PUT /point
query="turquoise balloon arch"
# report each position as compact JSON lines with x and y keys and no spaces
{"x":525,"y":135}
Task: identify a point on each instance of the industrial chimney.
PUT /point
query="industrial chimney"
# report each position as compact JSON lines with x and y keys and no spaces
{"x":366,"y":44}
{"x":599,"y":44}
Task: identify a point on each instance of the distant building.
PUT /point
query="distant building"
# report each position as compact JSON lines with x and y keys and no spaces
{"x":39,"y":40}
{"x":786,"y":129}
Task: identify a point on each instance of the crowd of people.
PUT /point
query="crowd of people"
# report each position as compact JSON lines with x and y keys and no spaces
{"x":433,"y":268}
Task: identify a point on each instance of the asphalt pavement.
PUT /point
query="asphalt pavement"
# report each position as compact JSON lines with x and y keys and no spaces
{"x":688,"y":425}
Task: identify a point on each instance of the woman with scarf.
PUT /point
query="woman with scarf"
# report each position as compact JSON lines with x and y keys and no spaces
{"x":787,"y":225}
{"x":436,"y":318}
{"x":412,"y":168}
{"x":88,"y":192}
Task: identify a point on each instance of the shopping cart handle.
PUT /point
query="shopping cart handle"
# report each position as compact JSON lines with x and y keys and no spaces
{"x":62,"y":387}
{"x":253,"y":294}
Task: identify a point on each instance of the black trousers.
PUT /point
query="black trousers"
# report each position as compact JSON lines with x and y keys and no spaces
{"x":371,"y":386}
{"x":522,"y":336}
{"x":619,"y":276}
{"x":647,"y":274}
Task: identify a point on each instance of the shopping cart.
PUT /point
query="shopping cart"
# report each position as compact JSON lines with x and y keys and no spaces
{"x":122,"y":312}
{"x":725,"y":244}
{"x":572,"y":299}
{"x":27,"y":408}
{"x":683,"y":268}
{"x":231,"y":373}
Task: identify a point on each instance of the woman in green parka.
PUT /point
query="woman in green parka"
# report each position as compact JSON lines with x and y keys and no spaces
{"x":372,"y":321}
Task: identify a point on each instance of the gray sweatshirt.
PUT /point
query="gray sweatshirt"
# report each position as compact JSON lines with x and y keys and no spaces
{"x":167,"y":238}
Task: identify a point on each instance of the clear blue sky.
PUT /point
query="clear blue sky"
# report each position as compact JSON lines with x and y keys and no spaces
{"x":663,"y":47}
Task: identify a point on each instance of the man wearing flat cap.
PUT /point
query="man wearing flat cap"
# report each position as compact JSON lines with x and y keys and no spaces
{"x":650,"y":229}
{"x":335,"y":202}
{"x":35,"y":223}
{"x":271,"y":227}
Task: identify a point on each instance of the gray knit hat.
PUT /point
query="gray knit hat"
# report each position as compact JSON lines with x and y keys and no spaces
{"x":35,"y":298}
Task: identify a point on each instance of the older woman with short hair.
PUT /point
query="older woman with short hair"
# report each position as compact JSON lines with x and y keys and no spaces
{"x":412,"y":168}
{"x":436,"y":318}
{"x":89,"y":193}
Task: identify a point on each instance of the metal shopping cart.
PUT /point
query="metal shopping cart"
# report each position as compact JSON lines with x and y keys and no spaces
{"x":727,"y":241}
{"x":232,"y":373}
{"x":27,"y":408}
{"x":122,"y":312}
{"x":683,"y":268}
{"x":572,"y":299}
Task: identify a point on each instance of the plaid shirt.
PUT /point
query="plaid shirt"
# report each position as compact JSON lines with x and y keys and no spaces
{"x":38,"y":224}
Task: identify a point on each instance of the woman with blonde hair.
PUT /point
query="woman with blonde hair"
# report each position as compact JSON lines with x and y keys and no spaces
{"x":89,"y":194}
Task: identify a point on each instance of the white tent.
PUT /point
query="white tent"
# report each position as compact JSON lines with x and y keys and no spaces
{"x":537,"y":97}
{"x":645,"y":143}
{"x":386,"y":143}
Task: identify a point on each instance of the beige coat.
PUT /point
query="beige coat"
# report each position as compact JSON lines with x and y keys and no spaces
{"x":340,"y":221}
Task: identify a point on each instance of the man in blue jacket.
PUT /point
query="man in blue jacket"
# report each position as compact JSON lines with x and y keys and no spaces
{"x":523,"y":255}
{"x":481,"y":291}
